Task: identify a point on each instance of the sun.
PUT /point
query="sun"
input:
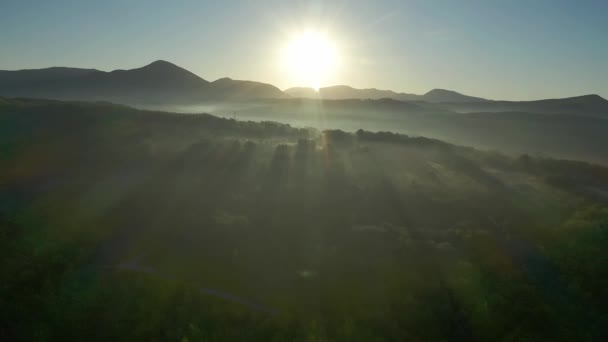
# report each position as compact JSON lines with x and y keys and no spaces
{"x":310,"y":57}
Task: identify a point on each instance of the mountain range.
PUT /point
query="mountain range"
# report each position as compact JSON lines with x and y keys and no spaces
{"x":343,"y":92}
{"x":164,"y":83}
{"x":159,"y":82}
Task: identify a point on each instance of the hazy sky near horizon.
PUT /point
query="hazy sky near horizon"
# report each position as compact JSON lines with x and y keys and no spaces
{"x":518,"y":49}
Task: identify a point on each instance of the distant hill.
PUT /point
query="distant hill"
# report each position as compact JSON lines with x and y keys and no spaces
{"x":342,"y":92}
{"x":27,"y":77}
{"x":162,"y":83}
{"x":158,"y":82}
{"x":228,"y":88}
{"x":442,"y":95}
{"x":451,"y":101}
{"x":586,"y":104}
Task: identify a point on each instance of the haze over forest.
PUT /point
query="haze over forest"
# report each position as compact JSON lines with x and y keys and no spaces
{"x":226,"y":171}
{"x":536,"y":127}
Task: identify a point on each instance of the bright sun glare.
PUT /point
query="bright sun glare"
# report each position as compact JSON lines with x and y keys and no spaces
{"x":311,"y":58}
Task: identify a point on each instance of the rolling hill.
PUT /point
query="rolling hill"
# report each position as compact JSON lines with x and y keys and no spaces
{"x":162,"y":83}
{"x":123,"y":224}
{"x":586,"y":104}
{"x":451,"y":101}
{"x":342,"y":92}
{"x":158,"y":82}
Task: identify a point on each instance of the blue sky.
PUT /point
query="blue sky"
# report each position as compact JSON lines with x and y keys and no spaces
{"x":497,"y":49}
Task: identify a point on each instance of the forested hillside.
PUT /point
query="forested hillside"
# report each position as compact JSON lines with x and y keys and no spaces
{"x":119,"y":224}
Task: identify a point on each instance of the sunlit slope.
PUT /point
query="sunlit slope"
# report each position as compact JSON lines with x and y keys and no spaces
{"x":568,"y":136}
{"x":156,"y":224}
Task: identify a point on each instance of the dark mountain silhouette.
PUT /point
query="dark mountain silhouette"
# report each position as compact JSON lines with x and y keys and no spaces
{"x":228,"y":88}
{"x":451,"y":101}
{"x":586,"y":104}
{"x":342,"y":92}
{"x":157,"y":75}
{"x":158,"y":82}
{"x":23,"y":77}
{"x":442,"y":95}
{"x":164,"y":83}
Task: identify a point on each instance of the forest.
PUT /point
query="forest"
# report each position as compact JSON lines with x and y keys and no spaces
{"x":124,"y":224}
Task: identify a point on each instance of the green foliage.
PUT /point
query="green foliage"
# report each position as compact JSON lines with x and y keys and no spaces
{"x":117,"y":224}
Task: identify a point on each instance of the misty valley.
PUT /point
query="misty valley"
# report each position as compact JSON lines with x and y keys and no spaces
{"x":571,"y":128}
{"x":369,"y":222}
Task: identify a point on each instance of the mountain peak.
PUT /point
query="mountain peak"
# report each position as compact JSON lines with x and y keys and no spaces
{"x":439,"y":91}
{"x":223,"y":80}
{"x":593,"y":97}
{"x":160,"y":63}
{"x":161,"y":73}
{"x":444,"y":95}
{"x":590,"y":99}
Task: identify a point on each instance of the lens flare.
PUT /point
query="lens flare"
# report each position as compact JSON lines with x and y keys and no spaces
{"x":311,"y":58}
